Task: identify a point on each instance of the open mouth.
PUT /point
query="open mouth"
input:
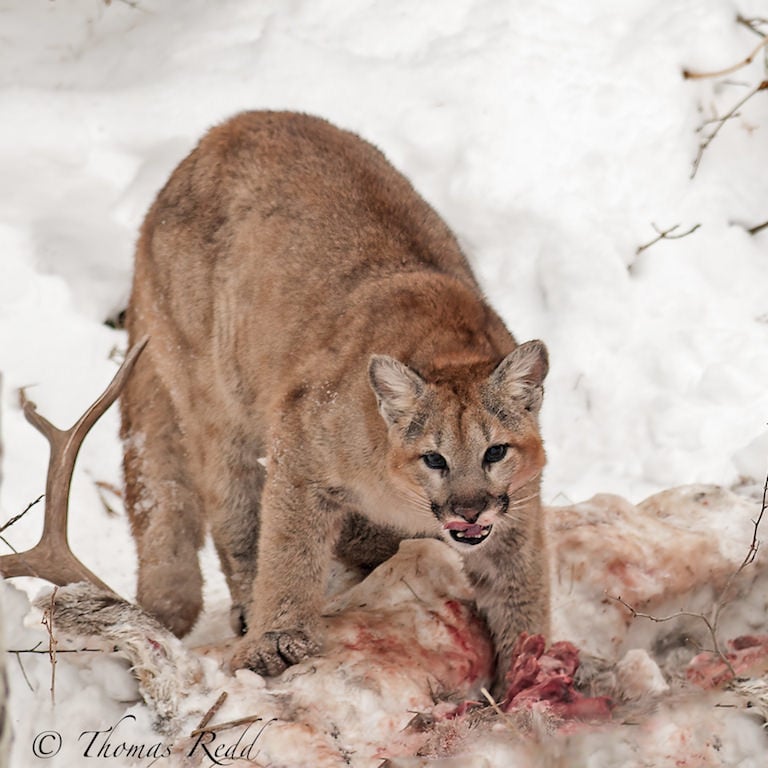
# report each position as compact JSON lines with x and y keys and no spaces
{"x":467,"y":533}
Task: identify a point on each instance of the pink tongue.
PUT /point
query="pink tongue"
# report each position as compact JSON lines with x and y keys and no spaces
{"x":470,"y":529}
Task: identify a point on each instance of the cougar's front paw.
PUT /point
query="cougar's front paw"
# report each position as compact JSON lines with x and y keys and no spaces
{"x":274,"y":651}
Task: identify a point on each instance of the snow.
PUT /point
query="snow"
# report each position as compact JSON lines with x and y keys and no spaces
{"x":552,"y":137}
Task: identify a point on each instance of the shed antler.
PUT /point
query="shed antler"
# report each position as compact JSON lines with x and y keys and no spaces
{"x":51,"y":558}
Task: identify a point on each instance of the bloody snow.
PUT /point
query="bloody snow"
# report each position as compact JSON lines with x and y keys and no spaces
{"x":557,"y":139}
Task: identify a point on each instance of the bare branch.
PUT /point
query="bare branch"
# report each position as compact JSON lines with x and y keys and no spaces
{"x":759,"y":228}
{"x":24,"y":672}
{"x":752,"y":24}
{"x":16,"y":518}
{"x":755,"y":544}
{"x":40,"y":651}
{"x":716,"y":649}
{"x":104,"y":490}
{"x":208,"y":716}
{"x":493,"y":703}
{"x":233,"y":724}
{"x":666,"y":234}
{"x":690,"y":75}
{"x":712,"y":621}
{"x":9,"y":545}
{"x":719,"y":122}
{"x":725,"y":598}
{"x":47,"y":622}
{"x":657,"y":619}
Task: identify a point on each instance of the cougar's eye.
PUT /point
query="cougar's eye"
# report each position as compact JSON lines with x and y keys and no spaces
{"x":435,"y":461}
{"x":495,"y":453}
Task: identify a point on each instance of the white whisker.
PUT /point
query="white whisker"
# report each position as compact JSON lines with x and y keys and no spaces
{"x":524,"y":500}
{"x":416,"y":501}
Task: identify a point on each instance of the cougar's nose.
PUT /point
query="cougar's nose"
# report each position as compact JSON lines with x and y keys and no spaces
{"x":469,"y":512}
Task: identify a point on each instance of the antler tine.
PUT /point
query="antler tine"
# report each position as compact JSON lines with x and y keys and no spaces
{"x":51,"y":558}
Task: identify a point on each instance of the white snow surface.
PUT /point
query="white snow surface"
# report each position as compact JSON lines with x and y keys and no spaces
{"x":554,"y":137}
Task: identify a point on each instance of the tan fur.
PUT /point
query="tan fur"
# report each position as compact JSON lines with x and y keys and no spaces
{"x":305,"y":304}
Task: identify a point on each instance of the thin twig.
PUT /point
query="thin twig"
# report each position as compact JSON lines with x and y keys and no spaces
{"x":9,"y":545}
{"x":24,"y":673}
{"x":41,"y":651}
{"x":413,"y":591}
{"x":758,"y":228}
{"x":103,"y":491}
{"x":47,"y":622}
{"x":755,"y":544}
{"x":712,"y":621}
{"x":752,"y":24}
{"x":678,"y":615}
{"x":494,"y":705}
{"x":721,"y":121}
{"x":749,"y":558}
{"x":16,"y":518}
{"x":666,"y":234}
{"x":690,"y":75}
{"x":210,"y":713}
{"x":232,"y":724}
{"x":658,"y":619}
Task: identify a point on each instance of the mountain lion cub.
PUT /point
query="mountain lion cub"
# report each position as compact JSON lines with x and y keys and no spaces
{"x":304,"y":304}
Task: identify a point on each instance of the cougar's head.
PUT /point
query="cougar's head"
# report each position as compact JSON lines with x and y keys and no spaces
{"x":463,"y":442}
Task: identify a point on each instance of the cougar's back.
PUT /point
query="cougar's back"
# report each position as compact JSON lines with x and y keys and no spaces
{"x":267,"y":238}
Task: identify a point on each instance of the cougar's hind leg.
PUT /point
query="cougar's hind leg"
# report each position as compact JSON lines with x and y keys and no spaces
{"x":164,"y":508}
{"x":235,"y":522}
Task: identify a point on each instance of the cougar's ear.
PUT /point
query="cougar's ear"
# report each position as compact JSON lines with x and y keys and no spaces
{"x":520,"y":375}
{"x":397,"y":388}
